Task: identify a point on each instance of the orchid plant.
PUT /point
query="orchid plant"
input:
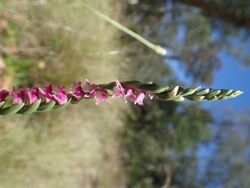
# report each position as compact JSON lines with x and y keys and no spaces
{"x":37,"y":99}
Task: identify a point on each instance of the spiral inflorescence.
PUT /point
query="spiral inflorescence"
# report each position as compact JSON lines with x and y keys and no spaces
{"x":27,"y":101}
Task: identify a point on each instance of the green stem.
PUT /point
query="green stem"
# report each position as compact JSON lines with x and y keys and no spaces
{"x":158,"y":49}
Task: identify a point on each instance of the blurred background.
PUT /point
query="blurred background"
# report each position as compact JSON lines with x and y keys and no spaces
{"x":117,"y":145}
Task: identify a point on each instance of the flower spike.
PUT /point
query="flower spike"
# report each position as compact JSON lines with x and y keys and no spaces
{"x":27,"y":101}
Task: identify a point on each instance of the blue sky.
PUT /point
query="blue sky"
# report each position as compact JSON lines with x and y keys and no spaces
{"x":236,"y":76}
{"x":233,"y":75}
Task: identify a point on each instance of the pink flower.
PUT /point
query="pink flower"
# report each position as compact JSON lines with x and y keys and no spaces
{"x":33,"y":95}
{"x":130,"y":96}
{"x":89,"y":89}
{"x":60,"y":96}
{"x":140,"y":98}
{"x":118,"y":90}
{"x":18,"y":96}
{"x":47,"y":93}
{"x":3,"y":95}
{"x":100,"y":95}
{"x":78,"y":93}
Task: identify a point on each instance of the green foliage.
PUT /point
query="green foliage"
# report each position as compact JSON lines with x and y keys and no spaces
{"x":228,"y":164}
{"x":152,"y":133}
{"x":18,"y":67}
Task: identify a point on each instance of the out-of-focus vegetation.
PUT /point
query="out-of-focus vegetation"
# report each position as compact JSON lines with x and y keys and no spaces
{"x":191,"y":36}
{"x":228,"y":165}
{"x":118,"y":145}
{"x":165,"y":144}
{"x":155,"y":148}
{"x":58,"y":42}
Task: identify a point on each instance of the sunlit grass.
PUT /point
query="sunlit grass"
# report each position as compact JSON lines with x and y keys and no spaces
{"x":77,"y":146}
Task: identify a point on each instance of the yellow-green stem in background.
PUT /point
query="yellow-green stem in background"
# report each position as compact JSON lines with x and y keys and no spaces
{"x":158,"y":49}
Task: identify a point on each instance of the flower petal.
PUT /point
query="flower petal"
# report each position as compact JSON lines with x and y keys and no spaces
{"x":61,"y":96}
{"x":130,"y":96}
{"x":33,"y":95}
{"x":100,"y":95}
{"x":3,"y":95}
{"x":18,"y":96}
{"x":78,"y":93}
{"x":140,"y":98}
{"x":89,"y":89}
{"x":118,"y":90}
{"x":47,"y":93}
